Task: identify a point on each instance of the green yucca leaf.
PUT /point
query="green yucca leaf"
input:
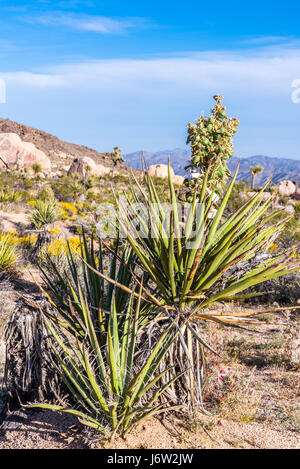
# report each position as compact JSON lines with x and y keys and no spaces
{"x":8,"y":252}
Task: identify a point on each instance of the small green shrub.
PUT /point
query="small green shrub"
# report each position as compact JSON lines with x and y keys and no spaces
{"x":37,"y":168}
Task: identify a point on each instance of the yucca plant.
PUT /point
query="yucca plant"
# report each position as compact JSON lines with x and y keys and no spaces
{"x":110,"y":371}
{"x":255,"y":170}
{"x":10,"y":196}
{"x":8,"y":253}
{"x":87,"y":273}
{"x":199,"y":262}
{"x":44,"y":213}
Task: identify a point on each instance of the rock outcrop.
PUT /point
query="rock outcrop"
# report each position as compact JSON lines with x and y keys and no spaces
{"x":16,"y":154}
{"x":85,"y":165}
{"x":161,"y":171}
{"x":287,"y":188}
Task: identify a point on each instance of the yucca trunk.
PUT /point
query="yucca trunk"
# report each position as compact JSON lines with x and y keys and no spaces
{"x":29,"y":372}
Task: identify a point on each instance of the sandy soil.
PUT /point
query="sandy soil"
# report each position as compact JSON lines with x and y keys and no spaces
{"x":13,"y":221}
{"x":45,"y":430}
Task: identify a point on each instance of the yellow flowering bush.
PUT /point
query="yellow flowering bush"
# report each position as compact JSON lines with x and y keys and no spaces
{"x":59,"y":247}
{"x":69,"y":210}
{"x":23,"y":241}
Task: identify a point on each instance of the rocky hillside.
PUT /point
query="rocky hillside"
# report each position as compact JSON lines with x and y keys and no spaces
{"x":59,"y":152}
{"x":276,"y":168}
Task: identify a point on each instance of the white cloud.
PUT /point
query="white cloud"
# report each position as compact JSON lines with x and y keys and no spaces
{"x":255,"y":73}
{"x":27,"y":80}
{"x":97,"y":24}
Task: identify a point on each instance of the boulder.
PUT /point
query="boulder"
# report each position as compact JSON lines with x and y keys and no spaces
{"x":286,"y":188}
{"x":85,"y":165}
{"x":161,"y":171}
{"x":15,"y":154}
{"x":178,"y":180}
{"x":290,"y":209}
{"x":263,"y":196}
{"x":296,"y":195}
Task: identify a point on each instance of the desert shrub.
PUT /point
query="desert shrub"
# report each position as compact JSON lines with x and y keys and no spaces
{"x":68,"y":210}
{"x":46,"y":193}
{"x":37,"y":168}
{"x":68,"y":188}
{"x":113,"y":391}
{"x":106,"y":355}
{"x":53,"y":257}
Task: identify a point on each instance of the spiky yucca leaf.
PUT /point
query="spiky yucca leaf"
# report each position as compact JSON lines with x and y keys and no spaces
{"x":8,"y":252}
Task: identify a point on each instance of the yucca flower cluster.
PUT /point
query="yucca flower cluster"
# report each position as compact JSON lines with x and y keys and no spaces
{"x":211,"y":145}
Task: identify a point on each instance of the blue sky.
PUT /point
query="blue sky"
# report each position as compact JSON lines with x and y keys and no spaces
{"x":133,"y":74}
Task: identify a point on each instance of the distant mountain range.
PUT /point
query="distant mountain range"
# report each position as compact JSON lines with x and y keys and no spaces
{"x":275,"y":168}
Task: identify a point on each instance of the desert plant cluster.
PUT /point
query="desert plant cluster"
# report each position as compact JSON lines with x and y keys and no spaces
{"x":136,"y":323}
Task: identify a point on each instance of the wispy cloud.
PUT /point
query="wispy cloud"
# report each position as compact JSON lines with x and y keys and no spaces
{"x":92,"y":23}
{"x":145,"y":99}
{"x":262,"y":40}
{"x":195,"y":71}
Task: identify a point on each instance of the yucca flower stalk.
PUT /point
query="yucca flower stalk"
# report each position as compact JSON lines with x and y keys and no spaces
{"x":211,"y":147}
